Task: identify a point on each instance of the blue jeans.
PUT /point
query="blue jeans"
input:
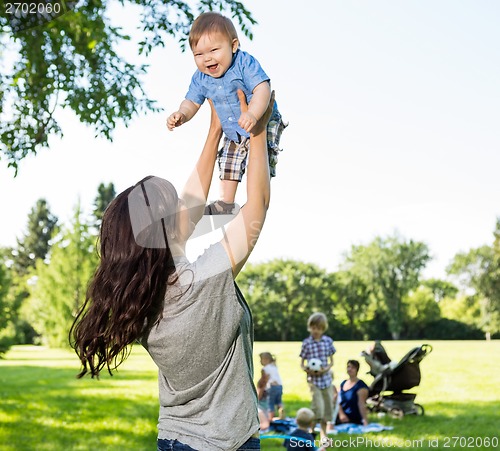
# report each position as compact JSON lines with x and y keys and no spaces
{"x":275,"y":397}
{"x":251,"y":444}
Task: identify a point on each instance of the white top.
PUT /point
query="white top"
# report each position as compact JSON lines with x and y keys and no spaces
{"x":274,"y":375}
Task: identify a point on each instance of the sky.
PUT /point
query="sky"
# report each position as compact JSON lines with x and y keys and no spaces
{"x":393,"y":111}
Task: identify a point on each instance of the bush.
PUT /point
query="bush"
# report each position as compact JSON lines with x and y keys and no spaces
{"x":6,"y":339}
{"x":376,"y":329}
{"x":450,"y":329}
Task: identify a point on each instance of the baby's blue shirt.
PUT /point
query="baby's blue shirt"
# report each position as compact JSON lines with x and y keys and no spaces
{"x":245,"y":73}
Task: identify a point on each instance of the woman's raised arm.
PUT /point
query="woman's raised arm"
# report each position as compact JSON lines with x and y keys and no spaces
{"x":196,"y":190}
{"x":244,"y":230}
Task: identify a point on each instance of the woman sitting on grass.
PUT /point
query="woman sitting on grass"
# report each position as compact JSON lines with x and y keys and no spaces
{"x":353,"y":394}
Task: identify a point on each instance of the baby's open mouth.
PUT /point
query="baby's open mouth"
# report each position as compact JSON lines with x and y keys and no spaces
{"x":213,"y":67}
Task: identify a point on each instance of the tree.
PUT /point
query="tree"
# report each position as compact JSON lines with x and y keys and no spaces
{"x":72,"y":62}
{"x":391,"y":267}
{"x":491,"y":286}
{"x":463,"y":308}
{"x":5,"y":307}
{"x":35,"y":243}
{"x":105,"y":194}
{"x":60,"y":284}
{"x":478,"y":274}
{"x":469,"y":268}
{"x":282,"y":294}
{"x":421,"y":310}
{"x":440,"y":288}
{"x":353,"y":299}
{"x":32,"y":246}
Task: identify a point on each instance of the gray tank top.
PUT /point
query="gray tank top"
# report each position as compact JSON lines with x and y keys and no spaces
{"x":203,"y":350}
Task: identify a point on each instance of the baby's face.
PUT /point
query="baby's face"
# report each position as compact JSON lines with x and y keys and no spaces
{"x":213,"y":54}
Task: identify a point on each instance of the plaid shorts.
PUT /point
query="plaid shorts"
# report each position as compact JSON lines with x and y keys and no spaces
{"x":232,"y":156}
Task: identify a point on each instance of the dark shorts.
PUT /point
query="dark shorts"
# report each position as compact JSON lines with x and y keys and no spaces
{"x":232,"y":156}
{"x":251,"y":444}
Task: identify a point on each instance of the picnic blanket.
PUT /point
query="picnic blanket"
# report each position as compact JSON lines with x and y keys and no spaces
{"x":288,"y":425}
{"x":351,"y":428}
{"x":346,"y":428}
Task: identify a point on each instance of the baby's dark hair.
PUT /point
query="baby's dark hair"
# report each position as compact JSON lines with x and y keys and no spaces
{"x":211,"y":22}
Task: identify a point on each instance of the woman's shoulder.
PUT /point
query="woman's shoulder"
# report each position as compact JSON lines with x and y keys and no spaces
{"x":213,"y":262}
{"x":361,"y":384}
{"x":208,"y":279}
{"x":212,"y":265}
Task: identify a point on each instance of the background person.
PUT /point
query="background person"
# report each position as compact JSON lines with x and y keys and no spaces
{"x":222,"y":69}
{"x":263,"y":403}
{"x":191,"y":317}
{"x":353,"y":394}
{"x":274,"y":385}
{"x":319,"y":346}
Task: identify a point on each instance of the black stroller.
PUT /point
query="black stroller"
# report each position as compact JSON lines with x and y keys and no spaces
{"x":394,"y":377}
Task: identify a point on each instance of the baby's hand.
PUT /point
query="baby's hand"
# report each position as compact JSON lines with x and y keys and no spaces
{"x":175,"y":120}
{"x":247,"y":121}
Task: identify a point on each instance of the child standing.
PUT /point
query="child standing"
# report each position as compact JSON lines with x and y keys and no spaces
{"x":319,"y":346}
{"x":274,"y":385}
{"x":223,"y":69}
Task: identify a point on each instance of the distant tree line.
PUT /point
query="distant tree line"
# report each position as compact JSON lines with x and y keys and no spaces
{"x":378,"y":291}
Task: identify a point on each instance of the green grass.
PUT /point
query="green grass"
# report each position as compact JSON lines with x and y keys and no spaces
{"x":460,"y":391}
{"x":43,"y":406}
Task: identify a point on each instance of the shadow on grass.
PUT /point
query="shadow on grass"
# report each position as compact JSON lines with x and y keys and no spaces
{"x":47,"y":408}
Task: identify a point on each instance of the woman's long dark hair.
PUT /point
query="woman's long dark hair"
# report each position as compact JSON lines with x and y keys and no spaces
{"x":125,"y":296}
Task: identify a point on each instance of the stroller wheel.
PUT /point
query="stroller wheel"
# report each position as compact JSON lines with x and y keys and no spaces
{"x":419,"y":410}
{"x":397,"y":413}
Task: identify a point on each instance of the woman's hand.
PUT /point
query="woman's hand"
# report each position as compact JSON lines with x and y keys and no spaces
{"x":198,"y":185}
{"x":243,"y":231}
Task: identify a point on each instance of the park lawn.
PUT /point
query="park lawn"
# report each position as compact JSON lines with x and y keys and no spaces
{"x":460,"y":391}
{"x":44,"y":407}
